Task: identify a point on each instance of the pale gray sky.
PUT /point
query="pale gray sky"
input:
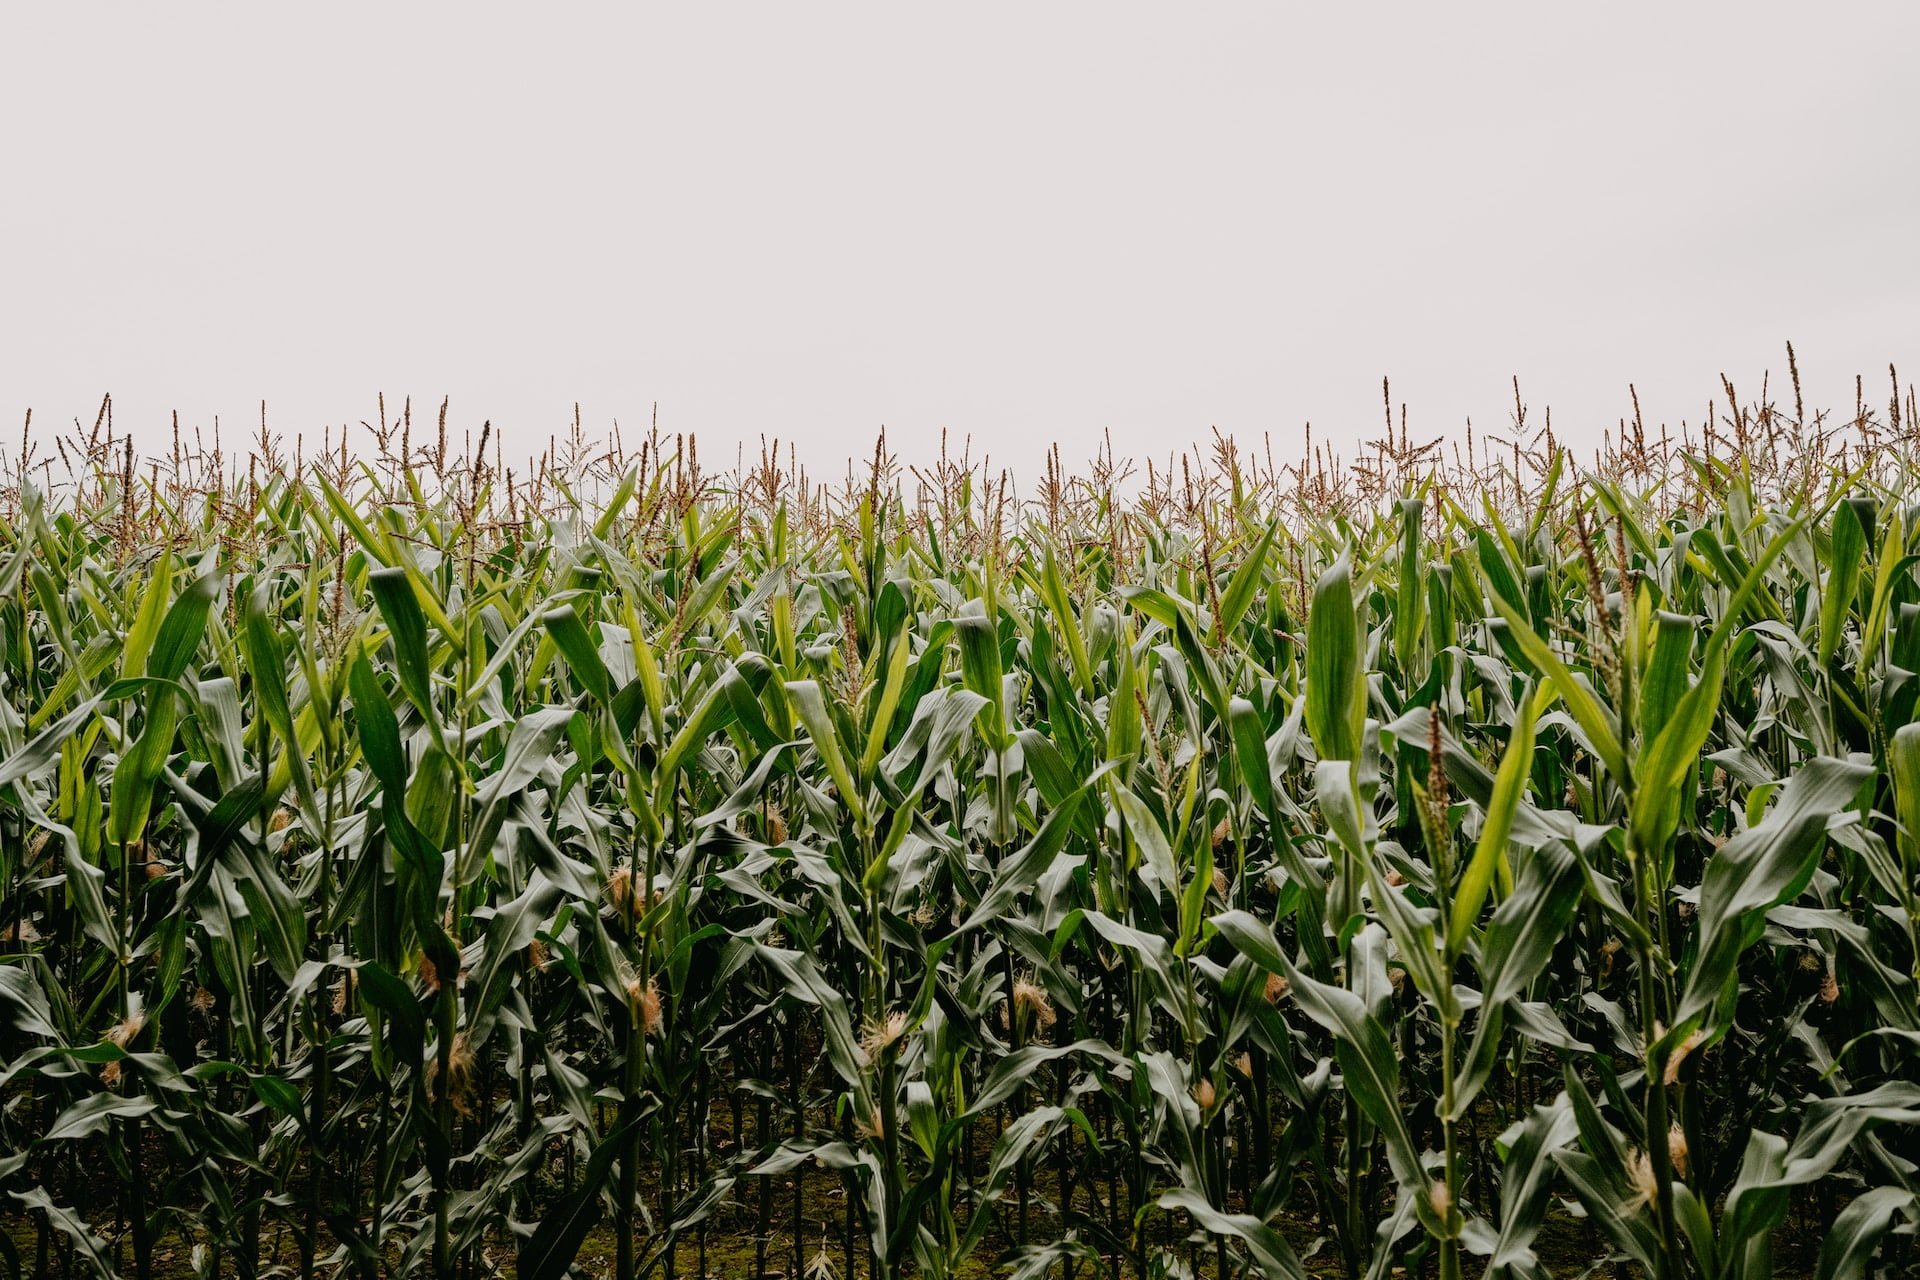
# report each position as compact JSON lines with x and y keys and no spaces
{"x":1022,"y":222}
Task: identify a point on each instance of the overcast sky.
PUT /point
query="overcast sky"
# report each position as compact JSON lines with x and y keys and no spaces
{"x":1023,"y":223}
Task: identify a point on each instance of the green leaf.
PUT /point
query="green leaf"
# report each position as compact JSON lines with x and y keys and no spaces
{"x":267,"y":667}
{"x":1250,"y":754}
{"x":712,"y":714}
{"x":379,"y":729}
{"x":1368,"y":1063}
{"x":70,"y":1224}
{"x":399,"y":604}
{"x":1490,"y":851}
{"x":93,"y":1113}
{"x":1847,"y":1250}
{"x":511,"y":930}
{"x":1020,"y":871}
{"x":582,"y":655}
{"x":1246,"y":580}
{"x":1903,"y":760}
{"x":549,"y":1253}
{"x":1269,"y":1249}
{"x":1409,"y":612}
{"x":1843,"y":579}
{"x":1336,"y":682}
{"x":1761,"y":868}
{"x":1066,"y":621}
{"x":1582,"y":705}
{"x":805,"y":983}
{"x":980,"y":671}
{"x":1519,"y":943}
{"x":811,"y":706}
{"x":146,"y":622}
{"x":185,"y":623}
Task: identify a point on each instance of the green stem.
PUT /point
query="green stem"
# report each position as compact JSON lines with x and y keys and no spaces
{"x":1657,"y":1118}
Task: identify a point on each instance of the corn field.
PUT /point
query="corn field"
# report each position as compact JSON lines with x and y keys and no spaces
{"x":1440,"y":862}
